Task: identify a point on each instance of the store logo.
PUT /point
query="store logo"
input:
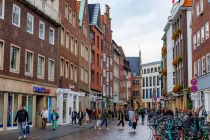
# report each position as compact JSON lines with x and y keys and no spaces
{"x":41,"y":90}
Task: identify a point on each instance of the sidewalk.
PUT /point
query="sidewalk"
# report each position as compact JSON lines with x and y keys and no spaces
{"x":47,"y":134}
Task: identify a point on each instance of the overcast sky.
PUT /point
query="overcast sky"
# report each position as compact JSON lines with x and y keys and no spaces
{"x":138,"y":24}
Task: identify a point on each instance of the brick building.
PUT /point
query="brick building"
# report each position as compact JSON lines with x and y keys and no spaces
{"x":201,"y":52}
{"x":96,"y":36}
{"x":28,"y":59}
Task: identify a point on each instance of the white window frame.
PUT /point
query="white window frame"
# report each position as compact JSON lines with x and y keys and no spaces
{"x":15,"y":6}
{"x":201,"y":6}
{"x":53,"y":42}
{"x":208,"y":63}
{"x":203,"y":69}
{"x":53,"y":70}
{"x":67,"y":40}
{"x":66,"y":69}
{"x":194,"y":41}
{"x":198,"y":39}
{"x":62,"y":66}
{"x":32,"y":64}
{"x":3,"y":9}
{"x":76,"y":47}
{"x":43,"y":69}
{"x":196,"y":69}
{"x":199,"y":67}
{"x":32,"y":26}
{"x":41,"y":22}
{"x":2,"y":55}
{"x":207,"y":30}
{"x":71,"y":71}
{"x":197,"y":9}
{"x":18,"y":61}
{"x":75,"y":73}
{"x":202,"y":34}
{"x":72,"y":44}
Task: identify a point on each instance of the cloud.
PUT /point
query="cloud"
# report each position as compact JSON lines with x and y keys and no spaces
{"x":138,"y":24}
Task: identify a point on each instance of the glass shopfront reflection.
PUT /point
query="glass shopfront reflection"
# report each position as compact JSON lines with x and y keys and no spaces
{"x":27,"y":102}
{"x":12,"y":109}
{"x":1,"y":108}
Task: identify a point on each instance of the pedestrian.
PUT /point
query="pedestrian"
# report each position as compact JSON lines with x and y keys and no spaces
{"x":177,"y":112}
{"x":80,"y":117}
{"x":104,"y":119}
{"x":44,"y":116}
{"x":87,"y":118}
{"x":22,"y":118}
{"x":99,"y":121}
{"x":120,"y":118}
{"x":54,"y":118}
{"x":143,"y":115}
{"x":73,"y":117}
{"x":135,"y":119}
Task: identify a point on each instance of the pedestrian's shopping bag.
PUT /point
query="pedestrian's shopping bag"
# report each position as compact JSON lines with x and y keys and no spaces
{"x":27,"y":129}
{"x":130,"y":123}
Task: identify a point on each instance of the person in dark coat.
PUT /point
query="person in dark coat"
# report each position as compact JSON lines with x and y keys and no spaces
{"x":121,"y":118}
{"x":22,"y":117}
{"x":80,"y":117}
{"x":73,"y":117}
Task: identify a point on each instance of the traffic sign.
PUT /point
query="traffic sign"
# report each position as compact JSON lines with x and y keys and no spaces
{"x":194,"y":82}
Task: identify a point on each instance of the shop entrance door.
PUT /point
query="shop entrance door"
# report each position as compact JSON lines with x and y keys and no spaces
{"x":64,"y":111}
{"x":39,"y":107}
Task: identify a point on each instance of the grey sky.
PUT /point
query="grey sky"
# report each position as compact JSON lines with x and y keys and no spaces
{"x":138,"y":24}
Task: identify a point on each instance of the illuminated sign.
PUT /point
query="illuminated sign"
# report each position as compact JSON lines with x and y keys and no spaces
{"x":41,"y":90}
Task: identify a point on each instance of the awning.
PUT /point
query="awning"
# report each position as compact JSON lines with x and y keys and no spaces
{"x":69,"y":91}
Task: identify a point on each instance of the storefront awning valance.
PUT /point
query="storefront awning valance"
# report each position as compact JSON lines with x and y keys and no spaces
{"x":69,"y":91}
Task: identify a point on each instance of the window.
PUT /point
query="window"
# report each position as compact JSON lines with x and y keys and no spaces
{"x":16,"y":15}
{"x":66,"y":11}
{"x":41,"y":65}
{"x":15,"y":59}
{"x":72,"y":72}
{"x":199,"y":67}
{"x":86,"y":76}
{"x":143,"y":93}
{"x":2,"y":2}
{"x":76,"y":47}
{"x":62,"y":36}
{"x":30,"y":23}
{"x":51,"y":70}
{"x":110,"y":75}
{"x":147,"y":94}
{"x":150,"y":81}
{"x":51,"y":36}
{"x":75,"y":74}
{"x":43,"y":5}
{"x":158,"y":92}
{"x":74,"y":20}
{"x":201,"y":6}
{"x":67,"y":40}
{"x":158,"y":80}
{"x":194,"y":42}
{"x":70,"y":16}
{"x":41,"y":30}
{"x":197,"y":9}
{"x":151,"y":70}
{"x":61,"y":67}
{"x":143,"y":82}
{"x":154,"y":80}
{"x":72,"y":44}
{"x":86,"y":54}
{"x":1,"y":55}
{"x":208,"y":62}
{"x":203,"y":66}
{"x":195,"y":69}
{"x":146,"y":72}
{"x":67,"y":69}
{"x":82,"y":74}
{"x":150,"y":92}
{"x":29,"y":63}
{"x":202,"y":35}
{"x":146,"y":81}
{"x":82,"y":47}
{"x":198,"y":39}
{"x":110,"y":61}
{"x":207,"y":30}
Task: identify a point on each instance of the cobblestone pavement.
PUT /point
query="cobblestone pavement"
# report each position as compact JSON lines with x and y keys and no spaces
{"x":143,"y":132}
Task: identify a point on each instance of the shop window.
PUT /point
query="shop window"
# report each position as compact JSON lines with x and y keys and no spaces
{"x":1,"y":108}
{"x":51,"y":70}
{"x":30,"y":23}
{"x":29,"y":63}
{"x":2,"y":2}
{"x":1,"y":55}
{"x":12,"y":109}
{"x":15,"y":59}
{"x":27,"y":103}
{"x":41,"y":67}
{"x":41,"y":30}
{"x":16,"y":15}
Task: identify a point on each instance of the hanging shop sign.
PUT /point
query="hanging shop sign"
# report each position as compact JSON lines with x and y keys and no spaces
{"x":41,"y":90}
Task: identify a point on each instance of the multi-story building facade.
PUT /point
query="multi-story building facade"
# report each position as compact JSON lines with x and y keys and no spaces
{"x":135,"y":80}
{"x":201,"y":51}
{"x":107,"y":50}
{"x":28,"y":59}
{"x":151,"y":84}
{"x":96,"y":36}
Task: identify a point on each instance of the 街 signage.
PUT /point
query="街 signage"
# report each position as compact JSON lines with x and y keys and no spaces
{"x":41,"y":90}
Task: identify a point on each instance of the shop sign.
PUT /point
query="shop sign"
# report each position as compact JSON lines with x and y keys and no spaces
{"x":41,"y":90}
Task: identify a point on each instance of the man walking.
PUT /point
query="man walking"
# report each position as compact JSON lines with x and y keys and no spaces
{"x":80,"y":117}
{"x":121,"y":118}
{"x":73,"y":117}
{"x":44,"y":115}
{"x":105,"y":119}
{"x":22,"y":117}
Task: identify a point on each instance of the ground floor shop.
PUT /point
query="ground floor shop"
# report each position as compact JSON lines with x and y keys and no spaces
{"x":33,"y":97}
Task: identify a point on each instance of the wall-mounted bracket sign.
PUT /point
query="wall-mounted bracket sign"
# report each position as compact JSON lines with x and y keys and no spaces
{"x":41,"y":90}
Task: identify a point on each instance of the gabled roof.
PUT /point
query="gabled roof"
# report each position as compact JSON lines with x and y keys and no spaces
{"x":134,"y":63}
{"x":95,"y":15}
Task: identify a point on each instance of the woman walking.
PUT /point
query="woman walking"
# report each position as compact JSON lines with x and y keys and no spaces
{"x":87,"y":118}
{"x":54,"y":118}
{"x":135,"y":119}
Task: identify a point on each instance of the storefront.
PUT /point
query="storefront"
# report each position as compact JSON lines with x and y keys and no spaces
{"x":68,"y":101}
{"x":33,"y":97}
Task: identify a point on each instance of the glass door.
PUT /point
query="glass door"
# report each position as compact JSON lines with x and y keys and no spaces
{"x":64,"y":111}
{"x":49,"y":108}
{"x":12,"y":109}
{"x":27,"y":103}
{"x":1,"y":108}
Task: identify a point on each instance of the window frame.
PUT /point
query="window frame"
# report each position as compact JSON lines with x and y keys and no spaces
{"x":43,"y":69}
{"x":32,"y":64}
{"x":53,"y":43}
{"x":19,"y":16}
{"x":195,"y":41}
{"x":202,"y":34}
{"x":203,"y":66}
{"x":207,"y":31}
{"x":3,"y":10}
{"x":2,"y":55}
{"x":208,"y":63}
{"x":62,"y":72}
{"x":32,"y":26}
{"x":66,"y":69}
{"x":198,"y":38}
{"x":17,"y":70}
{"x":53,"y":70}
{"x":41,"y":22}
